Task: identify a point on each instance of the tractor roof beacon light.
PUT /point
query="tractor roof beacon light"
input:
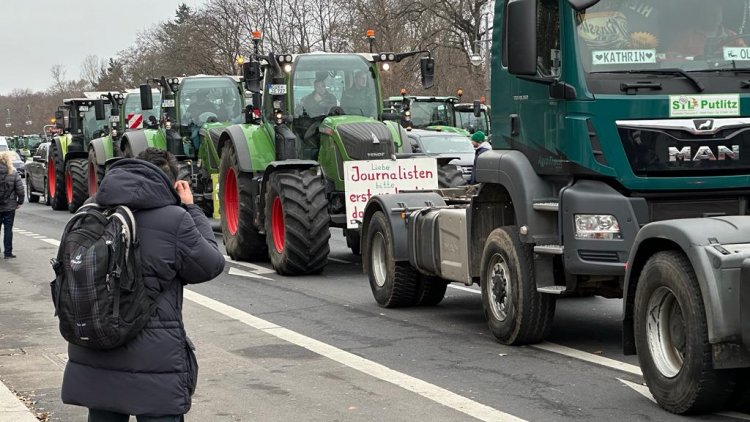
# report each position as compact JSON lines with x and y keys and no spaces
{"x":460,"y":93}
{"x":370,"y":38}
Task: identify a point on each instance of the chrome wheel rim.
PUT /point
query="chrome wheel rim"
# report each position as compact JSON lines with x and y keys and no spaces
{"x":499,"y":287}
{"x":379,"y":267}
{"x":665,"y":332}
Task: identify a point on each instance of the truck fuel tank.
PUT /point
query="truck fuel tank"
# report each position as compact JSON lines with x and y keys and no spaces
{"x":438,"y":243}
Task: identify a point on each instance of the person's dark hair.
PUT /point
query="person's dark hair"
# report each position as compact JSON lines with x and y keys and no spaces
{"x":165,"y":160}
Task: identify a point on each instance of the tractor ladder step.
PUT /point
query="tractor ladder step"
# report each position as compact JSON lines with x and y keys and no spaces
{"x":551,"y":205}
{"x":549,"y":249}
{"x":553,"y":290}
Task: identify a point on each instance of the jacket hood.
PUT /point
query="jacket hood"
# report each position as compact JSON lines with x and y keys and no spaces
{"x":137,"y":184}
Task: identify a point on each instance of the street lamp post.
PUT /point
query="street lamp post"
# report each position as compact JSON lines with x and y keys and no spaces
{"x":28,"y":115}
{"x":7,"y":121}
{"x":476,"y":57}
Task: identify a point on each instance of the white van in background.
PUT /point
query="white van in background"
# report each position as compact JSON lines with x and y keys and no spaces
{"x":3,"y":144}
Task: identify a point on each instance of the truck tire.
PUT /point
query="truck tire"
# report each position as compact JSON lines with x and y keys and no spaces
{"x":671,"y":337}
{"x":393,"y":284}
{"x":449,"y":176}
{"x":30,"y":196}
{"x":76,"y":183}
{"x":516,"y":313}
{"x":297,"y":222}
{"x":241,"y":237}
{"x":430,"y":290}
{"x":353,"y":241}
{"x":56,"y":179}
{"x":95,"y":173}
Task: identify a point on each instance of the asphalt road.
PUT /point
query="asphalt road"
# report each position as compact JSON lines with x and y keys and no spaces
{"x":318,"y":348}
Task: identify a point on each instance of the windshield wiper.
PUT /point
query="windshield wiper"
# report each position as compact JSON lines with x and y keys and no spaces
{"x":672,"y":71}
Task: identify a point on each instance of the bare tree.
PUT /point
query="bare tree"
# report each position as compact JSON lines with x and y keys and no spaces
{"x":91,"y":70}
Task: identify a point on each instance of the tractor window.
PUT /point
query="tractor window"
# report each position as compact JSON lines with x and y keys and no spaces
{"x":431,"y":113}
{"x":548,"y":42}
{"x":467,"y":120}
{"x":92,"y":128}
{"x":209,"y":99}
{"x":322,"y":82}
{"x":133,"y":106}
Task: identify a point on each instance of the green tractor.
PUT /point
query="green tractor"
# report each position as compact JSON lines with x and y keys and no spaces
{"x":281,"y":183}
{"x":426,"y":112}
{"x":473,"y":117}
{"x":80,"y":120}
{"x":194,"y":111}
{"x":125,"y":115}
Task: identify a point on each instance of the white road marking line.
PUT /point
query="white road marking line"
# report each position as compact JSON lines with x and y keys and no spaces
{"x":54,"y":242}
{"x":425,"y":389}
{"x":644,"y":391}
{"x":464,"y":288}
{"x":341,"y":261}
{"x":589,"y":357}
{"x":241,"y":273}
{"x":258,"y":269}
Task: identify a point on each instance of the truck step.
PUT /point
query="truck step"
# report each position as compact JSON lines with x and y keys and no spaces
{"x":549,"y":249}
{"x":553,"y":290}
{"x":550,"y":205}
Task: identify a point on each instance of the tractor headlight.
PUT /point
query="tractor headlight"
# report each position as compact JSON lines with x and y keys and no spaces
{"x":288,"y":68}
{"x":597,"y":227}
{"x":386,"y":67}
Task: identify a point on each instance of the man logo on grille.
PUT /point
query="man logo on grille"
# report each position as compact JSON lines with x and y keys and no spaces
{"x":703,"y":124}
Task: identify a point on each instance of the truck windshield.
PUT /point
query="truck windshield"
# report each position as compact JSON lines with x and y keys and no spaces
{"x":692,"y":35}
{"x":323,"y":81}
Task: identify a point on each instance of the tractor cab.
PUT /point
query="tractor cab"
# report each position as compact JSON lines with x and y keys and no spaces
{"x":425,"y":112}
{"x":473,"y":117}
{"x":83,"y":119}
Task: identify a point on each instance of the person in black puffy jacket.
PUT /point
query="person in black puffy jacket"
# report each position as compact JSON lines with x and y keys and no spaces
{"x":154,"y":375}
{"x":12,"y":196}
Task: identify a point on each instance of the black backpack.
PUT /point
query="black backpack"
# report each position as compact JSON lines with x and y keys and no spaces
{"x":98,"y":291}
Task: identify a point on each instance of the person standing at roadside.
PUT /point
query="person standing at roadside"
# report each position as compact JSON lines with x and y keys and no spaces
{"x":12,"y":195}
{"x":154,"y":375}
{"x":478,"y":140}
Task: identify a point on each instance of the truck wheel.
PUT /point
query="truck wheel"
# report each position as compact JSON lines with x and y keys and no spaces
{"x":56,"y":179}
{"x":241,"y":237}
{"x":353,"y":241}
{"x":430,"y":290}
{"x":516,"y":313}
{"x":671,"y":338}
{"x":76,"y":183}
{"x":297,"y":222}
{"x":449,"y":176}
{"x":393,"y":284}
{"x":30,"y":196}
{"x":95,"y":171}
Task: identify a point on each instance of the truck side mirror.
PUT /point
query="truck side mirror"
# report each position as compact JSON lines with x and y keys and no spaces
{"x":252,"y":76}
{"x":147,"y":97}
{"x":521,"y":37}
{"x":427,"y":69}
{"x":99,"y":110}
{"x":477,"y":108}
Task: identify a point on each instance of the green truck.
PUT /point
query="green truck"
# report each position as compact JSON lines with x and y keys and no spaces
{"x":281,"y":182}
{"x":621,"y":168}
{"x":80,"y":120}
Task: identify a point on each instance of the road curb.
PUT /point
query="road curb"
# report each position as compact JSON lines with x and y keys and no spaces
{"x":12,"y":408}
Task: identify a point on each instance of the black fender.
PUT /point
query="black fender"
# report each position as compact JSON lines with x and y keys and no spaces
{"x":56,"y":140}
{"x":137,"y":141}
{"x":236,"y":136}
{"x":98,"y":146}
{"x":275,"y":166}
{"x":397,"y":219}
{"x":512,"y":170}
{"x":76,"y":154}
{"x":712,"y":246}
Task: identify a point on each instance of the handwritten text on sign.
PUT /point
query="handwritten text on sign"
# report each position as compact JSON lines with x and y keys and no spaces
{"x":364,"y":179}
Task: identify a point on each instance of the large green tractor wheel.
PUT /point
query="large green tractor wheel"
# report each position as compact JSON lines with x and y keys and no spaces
{"x":297,"y":222}
{"x":95,"y":173}
{"x":56,"y":179}
{"x":76,"y":183}
{"x":241,"y":237}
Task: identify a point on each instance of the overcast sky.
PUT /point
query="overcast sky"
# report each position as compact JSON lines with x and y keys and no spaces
{"x":37,"y":34}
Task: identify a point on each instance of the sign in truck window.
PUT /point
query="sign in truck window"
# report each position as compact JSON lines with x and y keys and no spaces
{"x":364,"y":179}
{"x":704,"y":105}
{"x":623,"y":57}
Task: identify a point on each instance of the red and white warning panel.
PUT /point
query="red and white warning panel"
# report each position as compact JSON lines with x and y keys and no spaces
{"x":135,"y":121}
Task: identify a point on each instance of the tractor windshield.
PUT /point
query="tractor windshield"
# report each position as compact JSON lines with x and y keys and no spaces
{"x":92,"y":128}
{"x":132,"y":107}
{"x":324,"y":81}
{"x":466,"y":120}
{"x":431,"y":113}
{"x":692,"y":35}
{"x":203,"y":99}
